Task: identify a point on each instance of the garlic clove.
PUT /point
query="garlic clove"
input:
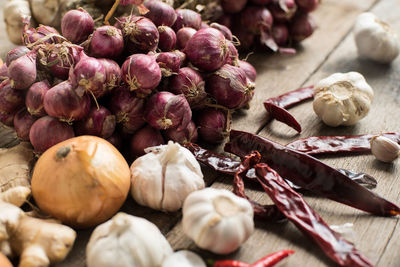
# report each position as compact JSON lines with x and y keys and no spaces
{"x":183,"y":258}
{"x":384,"y":149}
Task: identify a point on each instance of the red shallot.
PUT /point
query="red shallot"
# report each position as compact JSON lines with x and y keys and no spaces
{"x":213,"y":125}
{"x":187,"y":135}
{"x":22,"y":124}
{"x":3,"y":72}
{"x":222,"y":28}
{"x":113,"y":73}
{"x":282,"y":10}
{"x":10,"y":99}
{"x":7,"y":118}
{"x":183,"y":35}
{"x":249,"y":70}
{"x":160,"y":13}
{"x":15,"y":53}
{"x":77,"y":25}
{"x":35,"y":97}
{"x":233,"y":7}
{"x":106,"y":42}
{"x":99,"y":122}
{"x":40,"y":35}
{"x":301,"y":27}
{"x":167,"y":40}
{"x":187,"y":18}
{"x":233,"y":57}
{"x":169,"y":63}
{"x":144,"y":138}
{"x":280,"y":33}
{"x":61,"y":58}
{"x":22,"y":71}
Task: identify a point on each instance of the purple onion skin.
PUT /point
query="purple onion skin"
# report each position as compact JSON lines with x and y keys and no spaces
{"x":256,"y":19}
{"x":77,"y":25}
{"x":230,"y":87}
{"x":66,"y":57}
{"x":116,"y":140}
{"x":99,"y":122}
{"x":15,"y":53}
{"x":222,"y":28}
{"x":113,"y":73}
{"x":187,"y":18}
{"x":307,"y":5}
{"x":144,"y":138}
{"x":167,"y":40}
{"x":3,"y":72}
{"x":189,"y":134}
{"x":301,"y":27}
{"x":181,"y":55}
{"x":189,"y":83}
{"x":23,"y":122}
{"x":233,"y":57}
{"x":106,"y":42}
{"x":62,"y":102}
{"x":35,"y":97}
{"x":207,"y":49}
{"x":165,"y":110}
{"x":183,"y":36}
{"x":212,"y":125}
{"x":47,"y":132}
{"x":204,"y":25}
{"x":280,"y":33}
{"x":22,"y":71}
{"x":141,"y":73}
{"x":249,"y":70}
{"x":11,"y":99}
{"x":41,"y":35}
{"x":7,"y":118}
{"x":232,"y":7}
{"x":128,"y":109}
{"x":160,"y":13}
{"x":282,"y":10}
{"x":88,"y":75}
{"x":169,"y":63}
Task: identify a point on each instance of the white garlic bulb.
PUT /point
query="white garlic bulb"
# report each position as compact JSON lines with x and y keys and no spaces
{"x":163,"y":178}
{"x":14,"y":12}
{"x":384,"y":149}
{"x":183,"y":258}
{"x":217,"y":220}
{"x":375,"y":39}
{"x":342,"y":99}
{"x":125,"y":241}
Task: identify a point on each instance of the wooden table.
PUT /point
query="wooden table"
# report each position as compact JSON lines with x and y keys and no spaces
{"x":331,"y":49}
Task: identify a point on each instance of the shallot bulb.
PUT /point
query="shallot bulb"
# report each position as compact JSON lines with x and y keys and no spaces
{"x":62,"y":102}
{"x":233,"y":7}
{"x":23,"y":122}
{"x":116,"y":140}
{"x":187,"y":18}
{"x":48,"y":131}
{"x":141,"y":73}
{"x":99,"y":122}
{"x":35,"y":97}
{"x":212,"y":125}
{"x":106,"y":42}
{"x":165,"y":110}
{"x":222,"y":28}
{"x":3,"y":72}
{"x":169,"y":63}
{"x":307,"y":5}
{"x":167,"y":40}
{"x":233,"y":57}
{"x":41,"y":35}
{"x":10,"y":99}
{"x":61,"y":58}
{"x":230,"y":87}
{"x":189,"y":83}
{"x":77,"y":25}
{"x":280,"y":33}
{"x":183,"y":36}
{"x":160,"y":13}
{"x":144,"y":138}
{"x":256,"y":19}
{"x":301,"y":27}
{"x":128,"y":109}
{"x":22,"y":71}
{"x":15,"y":53}
{"x":113,"y":73}
{"x":7,"y":118}
{"x":248,"y":69}
{"x":189,"y":134}
{"x":282,"y":10}
{"x":207,"y":49}
{"x":88,"y":75}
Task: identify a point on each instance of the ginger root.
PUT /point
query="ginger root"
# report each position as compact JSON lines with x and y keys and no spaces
{"x":38,"y":242}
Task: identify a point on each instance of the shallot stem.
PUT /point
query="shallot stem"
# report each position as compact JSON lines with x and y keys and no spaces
{"x":111,"y":12}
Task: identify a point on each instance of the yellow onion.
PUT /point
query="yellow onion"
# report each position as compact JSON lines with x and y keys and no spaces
{"x":82,"y":181}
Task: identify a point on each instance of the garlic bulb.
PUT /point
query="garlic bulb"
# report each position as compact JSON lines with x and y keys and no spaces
{"x":125,"y":241}
{"x":342,"y":98}
{"x":163,"y":178}
{"x":46,"y":12}
{"x":184,"y":258}
{"x":375,"y":39}
{"x":14,"y":11}
{"x":384,"y":149}
{"x":217,"y":220}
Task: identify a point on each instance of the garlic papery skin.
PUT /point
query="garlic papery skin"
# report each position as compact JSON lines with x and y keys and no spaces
{"x":384,"y":149}
{"x":164,"y":177}
{"x":217,"y":220}
{"x":183,"y":258}
{"x":125,"y":241}
{"x":342,"y":99}
{"x":375,"y":39}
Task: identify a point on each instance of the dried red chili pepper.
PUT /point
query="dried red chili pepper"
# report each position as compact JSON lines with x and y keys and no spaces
{"x":293,"y":206}
{"x":267,"y":261}
{"x":277,"y":106}
{"x":310,"y":173}
{"x":336,"y":144}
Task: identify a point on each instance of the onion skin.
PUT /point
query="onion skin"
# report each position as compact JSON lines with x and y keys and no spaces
{"x":35,"y":97}
{"x":169,"y":63}
{"x":189,"y":134}
{"x":230,"y":87}
{"x":282,"y":10}
{"x":280,"y":33}
{"x":106,"y":42}
{"x":232,"y":7}
{"x":99,"y":122}
{"x":256,"y":19}
{"x":142,"y":74}
{"x":233,"y":58}
{"x":165,"y":110}
{"x":15,"y":53}
{"x":62,"y":102}
{"x":160,"y":13}
{"x":77,"y":25}
{"x":82,"y":181}
{"x":183,"y":36}
{"x":222,"y":28}
{"x":187,"y":18}
{"x":23,"y":122}
{"x":144,"y":138}
{"x":10,"y":99}
{"x":3,"y":72}
{"x":66,"y":57}
{"x":249,"y":70}
{"x":48,"y":131}
{"x":207,"y":49}
{"x":7,"y":118}
{"x":41,"y":35}
{"x":22,"y":71}
{"x":167,"y":40}
{"x":212,"y":125}
{"x":301,"y":27}
{"x":189,"y":83}
{"x":113,"y":73}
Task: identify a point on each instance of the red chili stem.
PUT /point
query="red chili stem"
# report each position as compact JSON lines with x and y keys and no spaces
{"x":272,"y":259}
{"x":310,"y":173}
